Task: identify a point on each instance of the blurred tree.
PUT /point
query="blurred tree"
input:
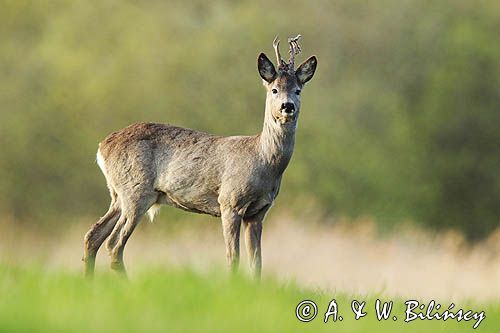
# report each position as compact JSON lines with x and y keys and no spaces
{"x":400,"y":121}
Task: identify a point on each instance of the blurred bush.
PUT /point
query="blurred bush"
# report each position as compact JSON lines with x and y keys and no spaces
{"x":400,"y":122}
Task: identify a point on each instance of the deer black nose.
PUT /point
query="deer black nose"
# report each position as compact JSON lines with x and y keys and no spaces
{"x":288,"y":107}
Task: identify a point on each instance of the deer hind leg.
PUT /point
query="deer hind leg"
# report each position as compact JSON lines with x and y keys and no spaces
{"x":253,"y":236}
{"x":132,"y":213}
{"x":115,"y":233}
{"x":231,"y":223}
{"x":97,"y":234}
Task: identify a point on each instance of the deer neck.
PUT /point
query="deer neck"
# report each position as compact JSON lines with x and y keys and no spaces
{"x":276,"y":142}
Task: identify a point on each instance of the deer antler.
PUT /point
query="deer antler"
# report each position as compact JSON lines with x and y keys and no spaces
{"x":276,"y":45}
{"x":294,"y":49}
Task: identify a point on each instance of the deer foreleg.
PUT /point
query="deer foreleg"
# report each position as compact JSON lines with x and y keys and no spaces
{"x":253,"y":236}
{"x":231,"y":222}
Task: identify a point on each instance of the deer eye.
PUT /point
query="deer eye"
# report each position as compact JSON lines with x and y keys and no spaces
{"x":297,"y":92}
{"x":275,"y":91}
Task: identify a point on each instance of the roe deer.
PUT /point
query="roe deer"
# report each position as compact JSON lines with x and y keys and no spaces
{"x":235,"y":177}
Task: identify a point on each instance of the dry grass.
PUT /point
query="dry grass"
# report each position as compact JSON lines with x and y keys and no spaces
{"x":347,"y":257}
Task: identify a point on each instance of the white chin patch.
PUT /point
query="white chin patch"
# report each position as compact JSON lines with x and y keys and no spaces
{"x":286,"y":118}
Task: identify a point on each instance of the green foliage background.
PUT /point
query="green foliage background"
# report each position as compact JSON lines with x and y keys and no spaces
{"x":400,"y":122}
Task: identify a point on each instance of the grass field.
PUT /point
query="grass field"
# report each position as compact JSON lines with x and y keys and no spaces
{"x":159,"y":300}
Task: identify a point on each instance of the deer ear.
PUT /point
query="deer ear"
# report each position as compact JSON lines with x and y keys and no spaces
{"x":306,"y":70}
{"x":266,"y":68}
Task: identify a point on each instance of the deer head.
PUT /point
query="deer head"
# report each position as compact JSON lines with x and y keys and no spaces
{"x":285,"y":84}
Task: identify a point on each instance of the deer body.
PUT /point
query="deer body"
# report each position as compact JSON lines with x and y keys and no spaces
{"x":192,"y":170}
{"x":236,"y":177}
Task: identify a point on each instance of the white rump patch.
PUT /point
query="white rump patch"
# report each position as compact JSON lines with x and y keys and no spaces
{"x":100,"y":162}
{"x":153,"y":211}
